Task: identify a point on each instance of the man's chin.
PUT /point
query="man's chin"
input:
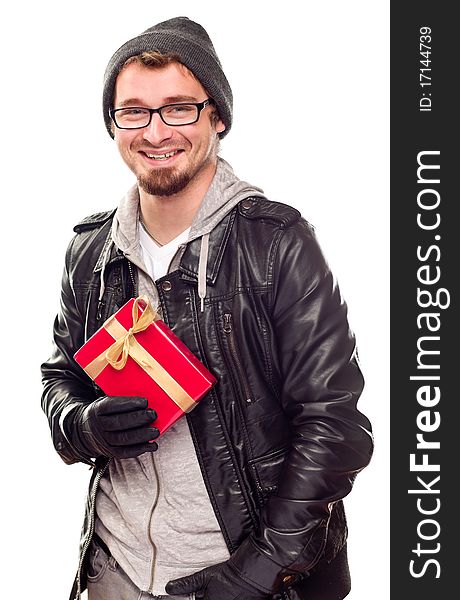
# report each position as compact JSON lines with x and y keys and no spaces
{"x":164,"y":183}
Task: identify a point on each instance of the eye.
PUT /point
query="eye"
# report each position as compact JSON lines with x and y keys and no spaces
{"x":131,"y":113}
{"x":179,"y":109}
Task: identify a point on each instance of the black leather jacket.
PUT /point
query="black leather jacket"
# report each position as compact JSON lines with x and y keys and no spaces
{"x":279,"y":439}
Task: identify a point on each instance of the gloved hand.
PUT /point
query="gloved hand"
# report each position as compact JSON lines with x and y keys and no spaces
{"x":219,"y":582}
{"x":114,"y":426}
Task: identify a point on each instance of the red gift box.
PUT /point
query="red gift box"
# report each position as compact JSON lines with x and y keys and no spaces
{"x":136,"y":354}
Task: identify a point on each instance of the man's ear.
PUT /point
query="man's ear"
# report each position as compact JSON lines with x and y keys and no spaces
{"x":219,"y":126}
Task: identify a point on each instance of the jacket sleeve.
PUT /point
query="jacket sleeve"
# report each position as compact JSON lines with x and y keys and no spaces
{"x":65,"y":384}
{"x":331,"y":438}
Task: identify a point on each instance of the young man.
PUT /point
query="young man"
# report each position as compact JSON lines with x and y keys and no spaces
{"x":242,"y":499}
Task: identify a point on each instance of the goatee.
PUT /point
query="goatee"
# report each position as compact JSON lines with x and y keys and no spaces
{"x":165,"y":182}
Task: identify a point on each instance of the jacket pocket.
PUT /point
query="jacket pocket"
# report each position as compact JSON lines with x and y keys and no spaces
{"x":98,"y":562}
{"x":267,"y":469}
{"x":234,"y":352}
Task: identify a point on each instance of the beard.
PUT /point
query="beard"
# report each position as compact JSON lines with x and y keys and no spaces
{"x":168,"y":181}
{"x":165,"y":182}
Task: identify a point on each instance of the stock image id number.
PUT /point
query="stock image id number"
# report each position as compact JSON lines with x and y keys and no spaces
{"x":425,"y":68}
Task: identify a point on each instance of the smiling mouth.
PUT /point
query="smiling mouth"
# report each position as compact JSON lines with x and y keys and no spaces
{"x":160,"y":157}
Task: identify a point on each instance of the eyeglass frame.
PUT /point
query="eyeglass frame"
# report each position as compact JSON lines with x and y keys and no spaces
{"x":199,"y":105}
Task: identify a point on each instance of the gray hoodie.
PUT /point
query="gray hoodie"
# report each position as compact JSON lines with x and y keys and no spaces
{"x":153,"y":511}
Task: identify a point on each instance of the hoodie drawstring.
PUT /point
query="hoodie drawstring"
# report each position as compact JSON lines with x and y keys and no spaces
{"x":202,"y":268}
{"x":104,"y":261}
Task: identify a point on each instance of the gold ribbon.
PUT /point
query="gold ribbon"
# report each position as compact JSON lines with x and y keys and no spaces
{"x":125,"y":341}
{"x":126,"y":345}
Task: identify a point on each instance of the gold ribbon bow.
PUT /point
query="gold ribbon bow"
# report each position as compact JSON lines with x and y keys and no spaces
{"x":126,"y":341}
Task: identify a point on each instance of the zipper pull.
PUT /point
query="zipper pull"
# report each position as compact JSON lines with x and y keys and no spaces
{"x":227,"y":323}
{"x":100,"y":305}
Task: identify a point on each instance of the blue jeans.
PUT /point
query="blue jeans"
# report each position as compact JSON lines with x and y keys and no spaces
{"x":107,"y":581}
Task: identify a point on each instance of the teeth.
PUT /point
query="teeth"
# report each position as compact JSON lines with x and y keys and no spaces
{"x":162,"y":156}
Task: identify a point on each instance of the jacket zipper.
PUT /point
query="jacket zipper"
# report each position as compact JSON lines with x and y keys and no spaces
{"x":91,"y":527}
{"x":130,"y":268}
{"x":101,"y":303}
{"x":155,"y":502}
{"x":154,"y":548}
{"x":230,"y":334}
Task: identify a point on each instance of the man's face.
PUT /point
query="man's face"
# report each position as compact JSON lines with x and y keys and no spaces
{"x":193,"y":148}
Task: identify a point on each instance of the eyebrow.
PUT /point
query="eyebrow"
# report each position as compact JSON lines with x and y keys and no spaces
{"x":172,"y":99}
{"x":167,"y":100}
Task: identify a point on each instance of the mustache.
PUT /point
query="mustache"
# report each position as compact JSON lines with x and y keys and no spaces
{"x":149,"y":147}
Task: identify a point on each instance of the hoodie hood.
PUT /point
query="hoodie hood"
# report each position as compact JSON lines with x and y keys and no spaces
{"x":225,"y":191}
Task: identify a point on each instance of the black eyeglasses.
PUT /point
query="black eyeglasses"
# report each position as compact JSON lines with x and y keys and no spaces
{"x":136,"y":117}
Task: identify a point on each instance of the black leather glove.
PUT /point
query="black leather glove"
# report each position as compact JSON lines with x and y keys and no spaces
{"x":114,"y":426}
{"x":219,"y":582}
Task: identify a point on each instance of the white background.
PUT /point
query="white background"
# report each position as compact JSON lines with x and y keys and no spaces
{"x":328,"y":157}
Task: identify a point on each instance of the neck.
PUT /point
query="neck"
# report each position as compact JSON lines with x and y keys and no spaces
{"x":165,"y":217}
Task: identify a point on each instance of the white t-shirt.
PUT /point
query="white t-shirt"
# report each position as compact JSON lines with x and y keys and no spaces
{"x":158,"y":258}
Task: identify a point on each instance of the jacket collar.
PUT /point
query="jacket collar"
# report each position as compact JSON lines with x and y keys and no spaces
{"x":189,"y":263}
{"x":109,"y":253}
{"x":217,"y":243}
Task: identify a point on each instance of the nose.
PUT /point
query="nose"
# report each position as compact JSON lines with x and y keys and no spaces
{"x":157,"y":131}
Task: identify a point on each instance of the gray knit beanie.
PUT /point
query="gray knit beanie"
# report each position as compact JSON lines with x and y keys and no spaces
{"x":192,"y":44}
